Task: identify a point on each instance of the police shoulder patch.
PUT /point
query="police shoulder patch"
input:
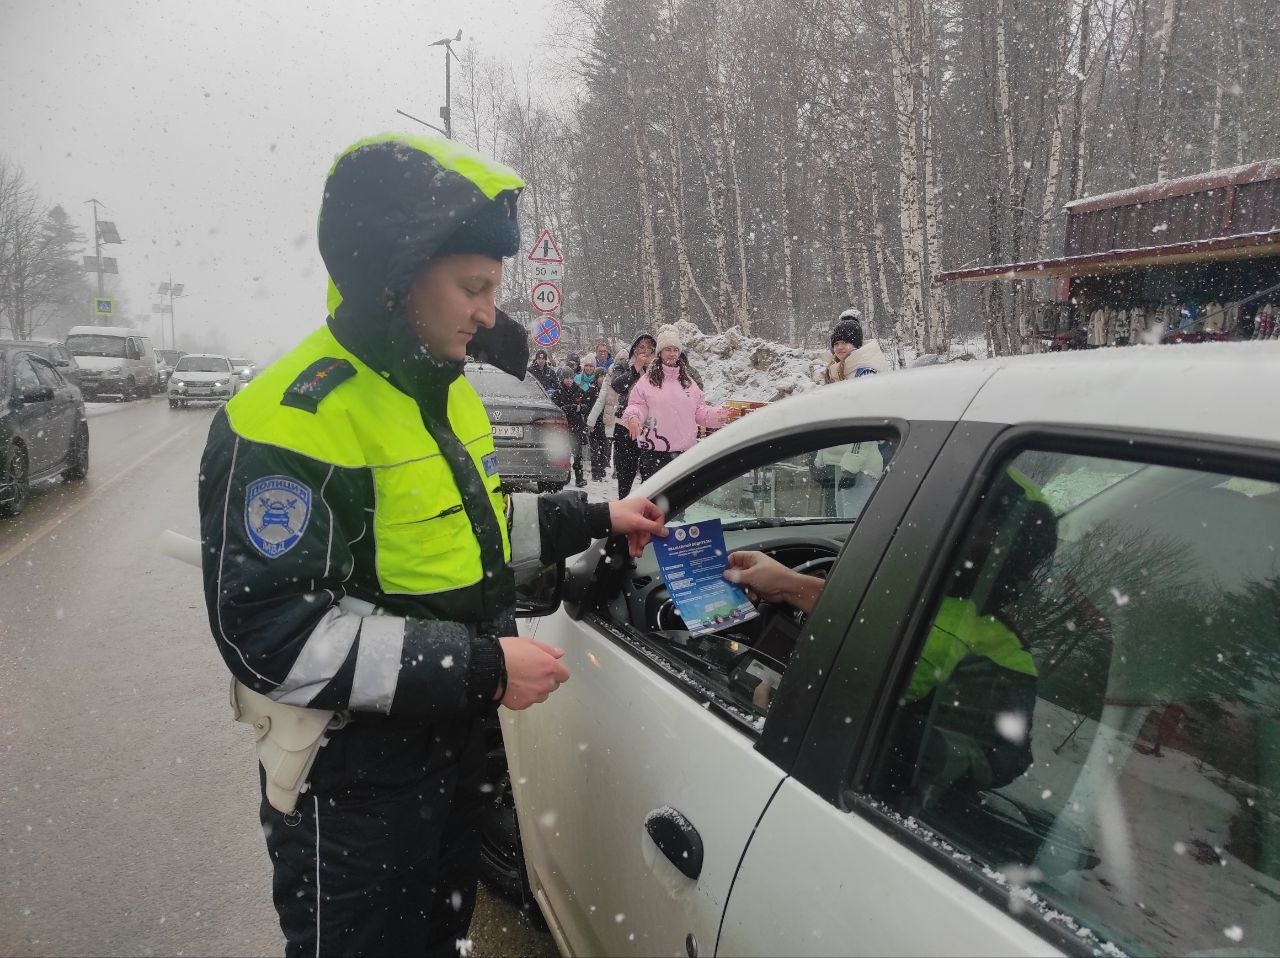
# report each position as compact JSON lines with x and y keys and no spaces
{"x":276,"y":512}
{"x":317,"y":381}
{"x":490,"y":464}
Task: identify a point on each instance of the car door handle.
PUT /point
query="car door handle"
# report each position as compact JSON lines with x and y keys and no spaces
{"x":676,"y":838}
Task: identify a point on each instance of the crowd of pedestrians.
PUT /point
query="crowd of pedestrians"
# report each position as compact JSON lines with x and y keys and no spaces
{"x":641,"y":408}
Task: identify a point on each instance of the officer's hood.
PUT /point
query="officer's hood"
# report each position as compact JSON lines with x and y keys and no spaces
{"x":390,"y":203}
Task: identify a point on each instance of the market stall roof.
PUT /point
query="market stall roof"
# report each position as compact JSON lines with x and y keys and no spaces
{"x":1244,"y":245}
{"x":1235,"y":176}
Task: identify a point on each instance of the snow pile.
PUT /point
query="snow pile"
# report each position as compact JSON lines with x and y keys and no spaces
{"x":734,"y":366}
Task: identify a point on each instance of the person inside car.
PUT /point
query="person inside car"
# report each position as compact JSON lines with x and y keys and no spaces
{"x":974,"y":666}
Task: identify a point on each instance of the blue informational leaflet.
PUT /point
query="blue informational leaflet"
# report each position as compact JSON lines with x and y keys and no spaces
{"x":692,"y":559}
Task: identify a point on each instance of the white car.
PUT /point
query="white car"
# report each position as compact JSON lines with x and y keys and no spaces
{"x":1086,"y":549}
{"x":245,"y":369}
{"x":202,"y":377}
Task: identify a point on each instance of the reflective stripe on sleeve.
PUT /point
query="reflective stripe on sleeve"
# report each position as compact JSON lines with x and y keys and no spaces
{"x":377,"y":663}
{"x":526,"y":536}
{"x":325,"y":650}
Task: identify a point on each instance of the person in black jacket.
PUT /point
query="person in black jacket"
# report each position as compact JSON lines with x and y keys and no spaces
{"x":626,"y":454}
{"x":542,"y":372}
{"x":360,"y":558}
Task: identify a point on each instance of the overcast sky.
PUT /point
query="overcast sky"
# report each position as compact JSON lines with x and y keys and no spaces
{"x":206,"y":129}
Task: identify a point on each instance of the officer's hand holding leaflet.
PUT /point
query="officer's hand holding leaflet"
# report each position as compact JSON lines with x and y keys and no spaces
{"x":639,"y":520}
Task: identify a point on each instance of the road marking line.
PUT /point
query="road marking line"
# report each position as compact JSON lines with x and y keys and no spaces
{"x":44,"y":530}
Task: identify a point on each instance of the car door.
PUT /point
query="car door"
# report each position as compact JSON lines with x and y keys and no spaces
{"x":642,"y":735}
{"x":36,"y":424}
{"x":1092,"y":770}
{"x":62,"y":415}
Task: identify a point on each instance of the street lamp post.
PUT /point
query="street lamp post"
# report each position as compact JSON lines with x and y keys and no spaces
{"x":104,"y":231}
{"x":170,"y":289}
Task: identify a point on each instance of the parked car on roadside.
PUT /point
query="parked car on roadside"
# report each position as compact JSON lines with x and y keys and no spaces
{"x":202,"y":377}
{"x":58,"y":355}
{"x":43,"y":430}
{"x":1033,"y":710}
{"x":114,"y":361}
{"x":530,"y":432}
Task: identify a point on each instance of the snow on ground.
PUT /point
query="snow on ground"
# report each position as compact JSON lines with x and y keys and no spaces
{"x":92,"y":409}
{"x":734,"y":366}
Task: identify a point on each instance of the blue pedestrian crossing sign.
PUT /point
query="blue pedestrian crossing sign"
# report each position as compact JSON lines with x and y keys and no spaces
{"x":102,"y":306}
{"x":546,"y":330}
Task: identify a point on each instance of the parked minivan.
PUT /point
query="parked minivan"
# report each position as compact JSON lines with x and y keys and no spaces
{"x":115,"y":361}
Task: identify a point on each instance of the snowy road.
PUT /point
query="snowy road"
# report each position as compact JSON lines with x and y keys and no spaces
{"x":128,"y":797}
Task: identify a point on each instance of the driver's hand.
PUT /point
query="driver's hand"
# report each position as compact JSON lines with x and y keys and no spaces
{"x":763,"y":577}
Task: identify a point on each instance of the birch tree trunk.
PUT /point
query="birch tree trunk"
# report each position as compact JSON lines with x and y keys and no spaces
{"x":937,"y":332}
{"x":1238,"y":90}
{"x":1165,"y":92}
{"x":1215,"y":122}
{"x":913,"y":322}
{"x":1136,"y":170}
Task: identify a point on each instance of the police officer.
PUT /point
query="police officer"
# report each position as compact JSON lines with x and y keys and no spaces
{"x":361,"y":467}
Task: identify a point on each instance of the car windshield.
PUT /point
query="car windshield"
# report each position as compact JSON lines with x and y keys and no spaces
{"x":110,"y":347}
{"x":241,"y":363}
{"x":202,"y":364}
{"x":170,"y":356}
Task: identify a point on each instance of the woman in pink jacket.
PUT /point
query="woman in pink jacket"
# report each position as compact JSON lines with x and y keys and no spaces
{"x":666,"y":407}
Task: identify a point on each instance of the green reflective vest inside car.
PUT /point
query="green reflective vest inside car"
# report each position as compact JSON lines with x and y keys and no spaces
{"x":424,"y":543}
{"x":958,"y":631}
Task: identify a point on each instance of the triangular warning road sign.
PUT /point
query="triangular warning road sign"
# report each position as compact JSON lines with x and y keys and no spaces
{"x":545,"y":249}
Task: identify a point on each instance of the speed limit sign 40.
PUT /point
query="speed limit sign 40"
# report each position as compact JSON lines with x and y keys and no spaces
{"x":545,"y":296}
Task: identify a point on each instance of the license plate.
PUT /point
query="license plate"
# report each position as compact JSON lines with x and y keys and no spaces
{"x":199,"y":390}
{"x":508,"y":432}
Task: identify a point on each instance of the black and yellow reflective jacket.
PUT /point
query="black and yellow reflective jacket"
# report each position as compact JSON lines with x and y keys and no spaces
{"x":360,"y":465}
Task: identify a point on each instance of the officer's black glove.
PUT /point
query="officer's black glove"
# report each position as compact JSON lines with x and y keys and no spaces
{"x":505,"y":346}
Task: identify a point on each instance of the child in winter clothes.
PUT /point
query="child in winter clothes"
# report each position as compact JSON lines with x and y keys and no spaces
{"x":666,"y":407}
{"x":570,"y":397}
{"x":855,"y":470}
{"x":852,"y":358}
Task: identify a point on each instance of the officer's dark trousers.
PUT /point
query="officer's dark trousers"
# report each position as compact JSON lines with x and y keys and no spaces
{"x":382,"y":859}
{"x":626,"y":459}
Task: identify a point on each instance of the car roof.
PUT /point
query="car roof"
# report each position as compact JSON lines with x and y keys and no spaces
{"x":28,"y":343}
{"x":206,"y":356}
{"x":105,"y":331}
{"x":1225,"y":390}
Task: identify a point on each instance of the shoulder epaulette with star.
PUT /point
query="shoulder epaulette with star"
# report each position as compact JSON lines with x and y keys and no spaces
{"x":317,"y":381}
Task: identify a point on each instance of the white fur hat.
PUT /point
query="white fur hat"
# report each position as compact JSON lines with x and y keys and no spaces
{"x":668,"y":335}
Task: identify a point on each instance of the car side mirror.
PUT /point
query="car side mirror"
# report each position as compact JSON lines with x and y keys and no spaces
{"x":539,"y":594}
{"x":37,"y":394}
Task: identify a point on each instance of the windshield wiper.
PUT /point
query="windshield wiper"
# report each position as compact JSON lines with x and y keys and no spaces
{"x":775,"y":522}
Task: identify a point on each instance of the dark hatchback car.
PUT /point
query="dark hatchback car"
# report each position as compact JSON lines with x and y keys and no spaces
{"x":57,"y":354}
{"x":530,"y":432}
{"x":43,"y":430}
